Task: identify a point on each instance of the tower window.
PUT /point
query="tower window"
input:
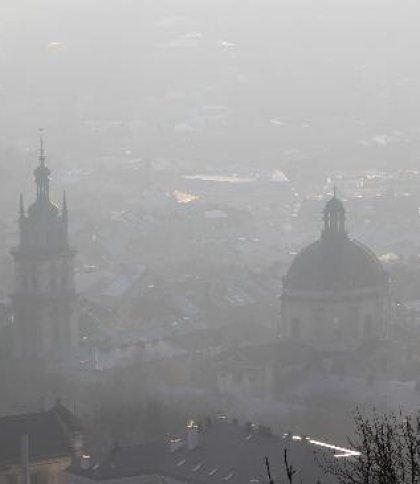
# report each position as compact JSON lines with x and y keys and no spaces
{"x":55,"y":322}
{"x":337,"y":327}
{"x":34,"y":282}
{"x":64,"y":280}
{"x":53,"y":277}
{"x":25,"y":284}
{"x":296,"y":329}
{"x":368,"y":327}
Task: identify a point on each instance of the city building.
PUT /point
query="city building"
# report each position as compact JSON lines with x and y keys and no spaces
{"x":44,"y":298}
{"x":212,"y":452}
{"x":336,"y":291}
{"x":40,"y":446}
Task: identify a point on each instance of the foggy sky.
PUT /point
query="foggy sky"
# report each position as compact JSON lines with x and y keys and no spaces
{"x":342,"y":64}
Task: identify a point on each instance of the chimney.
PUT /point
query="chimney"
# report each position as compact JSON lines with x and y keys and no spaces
{"x":24,"y":456}
{"x":85,"y":462}
{"x":175,"y":444}
{"x":192,"y":435}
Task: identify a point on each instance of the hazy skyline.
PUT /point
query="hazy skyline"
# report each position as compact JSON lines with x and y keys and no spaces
{"x":106,"y":77}
{"x":239,"y":237}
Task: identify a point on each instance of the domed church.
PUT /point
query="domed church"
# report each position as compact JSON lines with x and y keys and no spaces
{"x":336,"y":290}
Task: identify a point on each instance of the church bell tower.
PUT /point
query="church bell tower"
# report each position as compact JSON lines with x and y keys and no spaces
{"x":44,"y":298}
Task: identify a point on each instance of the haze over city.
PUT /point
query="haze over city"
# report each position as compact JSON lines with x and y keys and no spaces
{"x":209,"y":241}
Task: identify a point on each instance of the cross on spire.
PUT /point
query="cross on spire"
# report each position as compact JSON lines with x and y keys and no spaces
{"x":42,"y":172}
{"x":42,"y":148}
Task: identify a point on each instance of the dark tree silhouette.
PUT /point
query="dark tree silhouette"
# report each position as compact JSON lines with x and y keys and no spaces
{"x":388,"y":446}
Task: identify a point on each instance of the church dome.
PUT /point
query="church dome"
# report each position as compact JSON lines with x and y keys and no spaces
{"x":335,"y":262}
{"x":342,"y":265}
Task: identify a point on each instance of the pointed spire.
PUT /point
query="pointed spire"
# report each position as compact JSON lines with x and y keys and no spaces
{"x":21,"y":207}
{"x":42,"y":172}
{"x":64,"y":209}
{"x":42,"y":156}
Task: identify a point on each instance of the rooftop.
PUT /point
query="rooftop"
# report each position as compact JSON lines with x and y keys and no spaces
{"x":46,"y":431}
{"x":226,"y":452}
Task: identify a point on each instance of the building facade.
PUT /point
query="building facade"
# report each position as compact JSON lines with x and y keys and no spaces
{"x":44,"y":298}
{"x":336,"y":290}
{"x":53,"y":441}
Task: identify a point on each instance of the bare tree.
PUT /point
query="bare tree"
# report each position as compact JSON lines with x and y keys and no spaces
{"x":388,"y":451}
{"x":290,"y":470}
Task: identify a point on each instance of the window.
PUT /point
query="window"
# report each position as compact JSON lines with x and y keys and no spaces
{"x":34,"y":281}
{"x":64,"y":280}
{"x":55,"y":323}
{"x":337,"y":327}
{"x":367,"y":327}
{"x":296,"y":328}
{"x":53,"y":277}
{"x":34,"y":478}
{"x":25,"y":284}
{"x":40,"y":477}
{"x":12,"y":479}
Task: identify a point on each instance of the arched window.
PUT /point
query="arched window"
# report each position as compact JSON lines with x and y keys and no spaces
{"x":34,"y":278}
{"x":25,"y":283}
{"x":64,"y":279}
{"x":296,"y":328}
{"x":53,"y":277}
{"x":337,"y":327}
{"x":368,"y":327}
{"x":55,"y":322}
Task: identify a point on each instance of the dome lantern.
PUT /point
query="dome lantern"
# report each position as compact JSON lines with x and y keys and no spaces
{"x":334,"y":217}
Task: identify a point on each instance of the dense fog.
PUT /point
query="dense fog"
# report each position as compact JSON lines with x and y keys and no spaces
{"x":209,"y":213}
{"x":143,"y":76}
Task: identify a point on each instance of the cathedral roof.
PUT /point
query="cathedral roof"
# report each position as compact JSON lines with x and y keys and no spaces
{"x":344,"y":265}
{"x":335,"y":262}
{"x":43,"y":226}
{"x":42,"y":209}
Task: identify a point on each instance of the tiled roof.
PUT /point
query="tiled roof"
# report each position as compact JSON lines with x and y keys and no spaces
{"x":47,"y":438}
{"x":226,"y":454}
